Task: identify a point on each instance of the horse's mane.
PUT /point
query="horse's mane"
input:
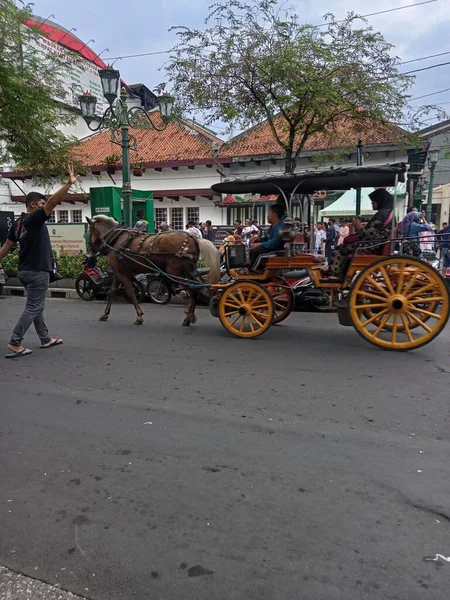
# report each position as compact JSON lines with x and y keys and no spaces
{"x":106,"y":220}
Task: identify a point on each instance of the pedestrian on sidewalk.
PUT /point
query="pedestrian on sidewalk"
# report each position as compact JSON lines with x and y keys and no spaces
{"x":35,"y":265}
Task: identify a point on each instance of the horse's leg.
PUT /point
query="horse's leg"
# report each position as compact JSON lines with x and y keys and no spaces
{"x":190,"y":272}
{"x":109,"y":298}
{"x":129,"y":290}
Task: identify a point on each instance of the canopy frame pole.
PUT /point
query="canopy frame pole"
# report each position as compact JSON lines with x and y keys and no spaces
{"x":393,"y":223}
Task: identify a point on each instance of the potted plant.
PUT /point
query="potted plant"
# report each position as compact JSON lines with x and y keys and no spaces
{"x":111,"y":163}
{"x":138,"y":169}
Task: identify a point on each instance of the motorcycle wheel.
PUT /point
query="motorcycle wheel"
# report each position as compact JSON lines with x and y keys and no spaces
{"x":85,"y":288}
{"x":158,"y":292}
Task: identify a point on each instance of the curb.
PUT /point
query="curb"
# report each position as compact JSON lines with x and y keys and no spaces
{"x":66,"y":293}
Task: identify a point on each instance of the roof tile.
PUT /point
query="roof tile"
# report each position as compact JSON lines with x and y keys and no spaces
{"x":179,"y":141}
{"x":259,"y":140}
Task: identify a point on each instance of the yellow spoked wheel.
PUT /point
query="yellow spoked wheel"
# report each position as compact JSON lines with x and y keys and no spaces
{"x":399,"y":303}
{"x":369,"y":312}
{"x":246,"y":309}
{"x":282,"y":298}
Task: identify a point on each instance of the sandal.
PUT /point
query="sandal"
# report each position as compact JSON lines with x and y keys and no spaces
{"x":51,"y":343}
{"x":19,"y":353}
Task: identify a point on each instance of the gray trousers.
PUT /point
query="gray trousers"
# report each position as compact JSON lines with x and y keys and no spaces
{"x":36,"y":284}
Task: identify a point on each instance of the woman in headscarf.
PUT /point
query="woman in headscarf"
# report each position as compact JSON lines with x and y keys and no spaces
{"x":413,"y":225}
{"x":368,"y":239}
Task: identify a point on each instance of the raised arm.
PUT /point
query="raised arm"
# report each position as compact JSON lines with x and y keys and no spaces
{"x":59,"y":196}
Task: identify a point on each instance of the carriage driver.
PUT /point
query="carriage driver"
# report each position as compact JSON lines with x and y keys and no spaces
{"x":272,"y":241}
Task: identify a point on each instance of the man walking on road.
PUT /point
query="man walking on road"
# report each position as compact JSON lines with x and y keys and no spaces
{"x":35,"y":265}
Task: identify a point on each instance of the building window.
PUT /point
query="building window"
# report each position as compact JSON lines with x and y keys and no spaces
{"x":63,"y":216}
{"x":177,"y":218}
{"x":160,"y":216}
{"x":77,"y":216}
{"x":193,"y":214}
{"x":52,"y":218}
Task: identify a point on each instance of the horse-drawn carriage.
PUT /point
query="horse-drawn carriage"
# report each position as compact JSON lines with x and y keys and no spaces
{"x":394,"y":301}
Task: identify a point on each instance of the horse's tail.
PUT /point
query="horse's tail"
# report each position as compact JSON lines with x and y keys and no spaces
{"x":211,"y":256}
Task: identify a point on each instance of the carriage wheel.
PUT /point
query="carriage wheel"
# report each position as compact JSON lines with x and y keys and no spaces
{"x":399,"y":303}
{"x":282,"y":298}
{"x":246,"y":309}
{"x":411,"y":323}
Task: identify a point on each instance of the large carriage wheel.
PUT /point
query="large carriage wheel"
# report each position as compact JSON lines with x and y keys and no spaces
{"x":410,"y":322}
{"x":246,"y":309}
{"x":399,"y":303}
{"x":282,"y":298}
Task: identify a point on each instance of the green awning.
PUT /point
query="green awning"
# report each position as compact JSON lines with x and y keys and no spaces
{"x":345,"y":206}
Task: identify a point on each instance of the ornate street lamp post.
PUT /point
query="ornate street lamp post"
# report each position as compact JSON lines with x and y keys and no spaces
{"x":118,"y":118}
{"x":433,"y":158}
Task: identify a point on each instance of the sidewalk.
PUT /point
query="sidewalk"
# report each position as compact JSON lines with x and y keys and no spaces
{"x":19,"y":587}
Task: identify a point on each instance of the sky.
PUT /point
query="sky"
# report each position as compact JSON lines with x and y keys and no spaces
{"x":135,"y":27}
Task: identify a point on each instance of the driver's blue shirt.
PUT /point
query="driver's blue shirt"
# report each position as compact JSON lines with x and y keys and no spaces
{"x":274,"y":242}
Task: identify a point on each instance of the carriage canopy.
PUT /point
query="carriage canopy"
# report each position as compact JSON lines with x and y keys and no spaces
{"x":339,"y":178}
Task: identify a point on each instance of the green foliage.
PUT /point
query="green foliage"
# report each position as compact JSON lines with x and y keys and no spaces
{"x":256,"y":62}
{"x":10,"y":263}
{"x":69,"y":265}
{"x":31,"y":92}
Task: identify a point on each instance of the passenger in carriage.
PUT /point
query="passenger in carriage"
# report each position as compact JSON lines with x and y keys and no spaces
{"x":273,"y":241}
{"x":368,"y":239}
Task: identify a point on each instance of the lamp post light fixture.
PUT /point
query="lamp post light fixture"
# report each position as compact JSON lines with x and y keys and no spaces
{"x":118,"y":118}
{"x":433,"y":157}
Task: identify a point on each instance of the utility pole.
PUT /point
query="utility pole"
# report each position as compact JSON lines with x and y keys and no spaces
{"x":433,"y":158}
{"x":359,"y":162}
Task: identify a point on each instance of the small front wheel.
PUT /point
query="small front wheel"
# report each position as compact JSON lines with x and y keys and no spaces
{"x":84,"y":287}
{"x":158,"y":291}
{"x":246,"y":309}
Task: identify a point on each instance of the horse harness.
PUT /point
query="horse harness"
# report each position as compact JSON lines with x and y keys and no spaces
{"x":111,"y":237}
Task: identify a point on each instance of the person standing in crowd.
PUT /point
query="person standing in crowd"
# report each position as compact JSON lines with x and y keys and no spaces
{"x":210,"y":233}
{"x":249,"y":231}
{"x":35,"y":265}
{"x":238,"y":227}
{"x":444,"y":245}
{"x":203,"y":230}
{"x":193,"y":230}
{"x":330,"y":240}
{"x":336,"y":226}
{"x":319,"y":238}
{"x":344,"y":231}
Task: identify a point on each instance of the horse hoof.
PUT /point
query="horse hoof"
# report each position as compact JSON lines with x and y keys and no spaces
{"x":189,"y":320}
{"x":139,"y":321}
{"x":103,"y":318}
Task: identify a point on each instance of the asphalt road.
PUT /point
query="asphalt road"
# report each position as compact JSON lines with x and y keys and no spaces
{"x":166,"y":463}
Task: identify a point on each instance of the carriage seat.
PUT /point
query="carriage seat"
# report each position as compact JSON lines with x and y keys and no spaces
{"x":258,"y":266}
{"x":296,"y":274}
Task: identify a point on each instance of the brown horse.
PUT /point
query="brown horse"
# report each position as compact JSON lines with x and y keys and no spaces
{"x":131,"y":252}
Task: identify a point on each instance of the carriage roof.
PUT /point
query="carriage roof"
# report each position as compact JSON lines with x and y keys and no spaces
{"x":339,"y":178}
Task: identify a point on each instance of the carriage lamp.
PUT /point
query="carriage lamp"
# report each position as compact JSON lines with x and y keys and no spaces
{"x":88,"y":103}
{"x":109,"y":79}
{"x":118,"y":118}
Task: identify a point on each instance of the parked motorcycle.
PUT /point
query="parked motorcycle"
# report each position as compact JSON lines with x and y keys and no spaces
{"x":92,"y":282}
{"x":306,"y":295}
{"x":161,"y":289}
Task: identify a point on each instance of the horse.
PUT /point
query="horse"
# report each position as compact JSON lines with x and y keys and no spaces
{"x":130,"y":252}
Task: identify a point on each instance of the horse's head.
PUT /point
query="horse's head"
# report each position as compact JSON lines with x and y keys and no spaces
{"x":98,"y":228}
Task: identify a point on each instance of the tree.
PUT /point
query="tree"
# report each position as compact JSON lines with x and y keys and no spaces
{"x":31,"y":92}
{"x":254,"y":62}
